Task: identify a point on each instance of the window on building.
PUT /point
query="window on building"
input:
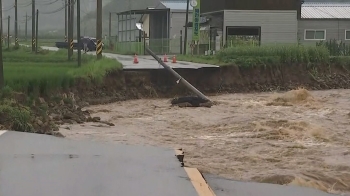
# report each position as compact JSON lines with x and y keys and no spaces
{"x":315,"y":34}
{"x":243,"y":35}
{"x":347,"y":34}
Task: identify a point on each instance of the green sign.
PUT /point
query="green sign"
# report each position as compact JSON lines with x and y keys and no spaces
{"x":196,"y":4}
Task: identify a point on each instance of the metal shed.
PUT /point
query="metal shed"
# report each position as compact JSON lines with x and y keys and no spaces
{"x":131,"y":39}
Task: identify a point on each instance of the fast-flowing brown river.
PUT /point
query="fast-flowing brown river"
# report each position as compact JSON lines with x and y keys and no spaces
{"x":298,"y":137}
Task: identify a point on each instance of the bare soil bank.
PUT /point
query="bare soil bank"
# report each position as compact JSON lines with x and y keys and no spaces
{"x":126,"y":85}
{"x":120,"y":86}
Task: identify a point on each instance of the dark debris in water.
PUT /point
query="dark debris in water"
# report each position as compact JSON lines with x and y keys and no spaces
{"x":191,"y":101}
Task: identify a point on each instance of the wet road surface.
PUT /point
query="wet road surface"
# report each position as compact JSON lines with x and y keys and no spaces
{"x":41,"y":165}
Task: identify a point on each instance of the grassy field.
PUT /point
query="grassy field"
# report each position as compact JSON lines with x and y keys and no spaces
{"x":41,"y":42}
{"x":267,"y":55}
{"x":47,"y":71}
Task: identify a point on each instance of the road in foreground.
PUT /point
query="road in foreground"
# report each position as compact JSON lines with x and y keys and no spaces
{"x":292,"y":138}
{"x":41,"y":165}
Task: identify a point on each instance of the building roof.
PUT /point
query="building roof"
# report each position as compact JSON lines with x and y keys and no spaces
{"x":176,"y":5}
{"x":325,"y":11}
{"x":143,"y":11}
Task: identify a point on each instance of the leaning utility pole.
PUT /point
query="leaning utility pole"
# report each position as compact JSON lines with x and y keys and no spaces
{"x":65,"y":20}
{"x":186,"y":26}
{"x":99,"y":29}
{"x":2,"y":81}
{"x":178,"y":76}
{"x":16,"y":25}
{"x":33,"y":25}
{"x":78,"y":33}
{"x":36,"y":31}
{"x":8,"y":32}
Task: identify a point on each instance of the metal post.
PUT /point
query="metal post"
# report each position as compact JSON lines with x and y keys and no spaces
{"x":118,"y":29}
{"x":180,"y":41}
{"x":2,"y":81}
{"x":8,"y":32}
{"x":110,"y":29}
{"x":26,"y":28}
{"x":72,"y":10}
{"x":185,"y":41}
{"x":78,"y":33}
{"x":135,"y":30}
{"x":69,"y":27}
{"x":33,"y":25}
{"x":130,"y":49}
{"x":16,"y":25}
{"x":99,"y":29}
{"x":122,"y":31}
{"x":162,"y":32}
{"x":178,"y":76}
{"x":168,"y":31}
{"x":210,"y":39}
{"x":65,"y":20}
{"x":36,"y":31}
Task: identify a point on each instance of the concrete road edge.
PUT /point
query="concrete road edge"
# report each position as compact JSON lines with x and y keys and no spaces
{"x":2,"y":132}
{"x":196,"y":178}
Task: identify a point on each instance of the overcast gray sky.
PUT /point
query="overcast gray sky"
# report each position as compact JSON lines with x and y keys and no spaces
{"x":51,"y":14}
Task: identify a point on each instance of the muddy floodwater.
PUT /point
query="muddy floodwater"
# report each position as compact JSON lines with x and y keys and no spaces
{"x":297,"y":137}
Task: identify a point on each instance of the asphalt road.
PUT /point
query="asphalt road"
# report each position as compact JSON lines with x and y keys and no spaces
{"x":145,"y":62}
{"x":40,"y":165}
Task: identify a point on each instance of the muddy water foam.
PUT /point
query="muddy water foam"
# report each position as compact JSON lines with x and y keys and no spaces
{"x":298,"y":137}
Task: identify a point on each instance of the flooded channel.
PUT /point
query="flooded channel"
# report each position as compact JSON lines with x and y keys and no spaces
{"x":298,"y":137}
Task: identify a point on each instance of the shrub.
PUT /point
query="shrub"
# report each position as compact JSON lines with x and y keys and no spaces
{"x":15,"y":116}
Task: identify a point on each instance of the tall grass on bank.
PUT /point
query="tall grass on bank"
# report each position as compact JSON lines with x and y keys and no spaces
{"x":247,"y":55}
{"x":273,"y":54}
{"x":40,"y":74}
{"x":336,"y":47}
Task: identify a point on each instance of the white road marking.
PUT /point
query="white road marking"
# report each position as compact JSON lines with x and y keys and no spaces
{"x":2,"y":132}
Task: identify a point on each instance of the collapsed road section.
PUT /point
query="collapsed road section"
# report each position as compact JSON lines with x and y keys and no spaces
{"x":190,"y":101}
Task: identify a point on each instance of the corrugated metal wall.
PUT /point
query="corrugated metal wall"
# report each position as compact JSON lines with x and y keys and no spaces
{"x":127,"y":27}
{"x":177,"y":23}
{"x":335,"y":29}
{"x":276,"y":26}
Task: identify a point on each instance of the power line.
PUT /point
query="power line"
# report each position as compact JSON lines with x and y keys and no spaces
{"x":26,"y":4}
{"x":54,"y":11}
{"x":48,"y":3}
{"x":23,"y":5}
